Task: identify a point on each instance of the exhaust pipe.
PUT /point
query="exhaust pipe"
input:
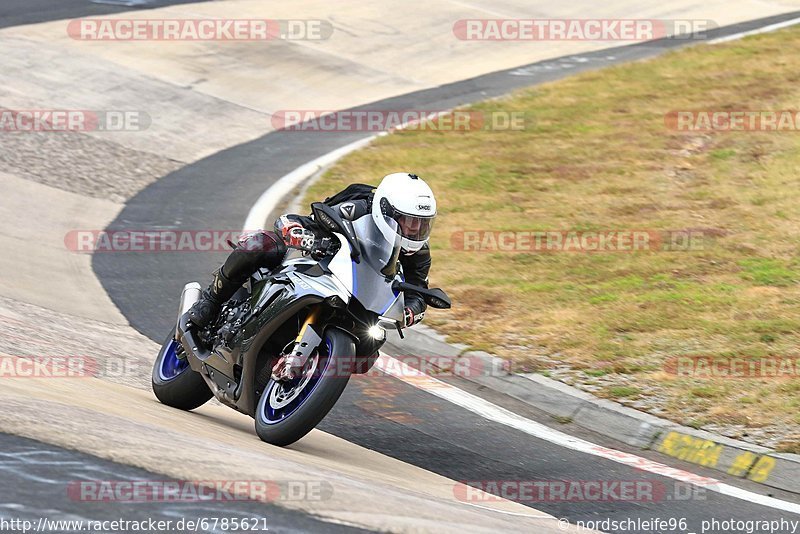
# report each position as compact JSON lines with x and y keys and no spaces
{"x":191,"y":293}
{"x":183,"y":332}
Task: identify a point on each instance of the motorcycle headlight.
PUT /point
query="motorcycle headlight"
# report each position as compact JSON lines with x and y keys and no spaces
{"x":376,"y":332}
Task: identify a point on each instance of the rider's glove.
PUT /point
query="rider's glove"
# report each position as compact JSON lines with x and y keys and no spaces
{"x":293,"y":234}
{"x":412,"y":318}
{"x":284,"y":227}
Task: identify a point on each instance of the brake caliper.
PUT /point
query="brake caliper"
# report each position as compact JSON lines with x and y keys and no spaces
{"x":291,"y":365}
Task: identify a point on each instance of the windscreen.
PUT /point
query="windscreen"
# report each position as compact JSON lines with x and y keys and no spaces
{"x":373,"y":277}
{"x":381,"y":254}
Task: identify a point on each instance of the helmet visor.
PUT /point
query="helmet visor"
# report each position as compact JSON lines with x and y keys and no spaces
{"x":414,"y":227}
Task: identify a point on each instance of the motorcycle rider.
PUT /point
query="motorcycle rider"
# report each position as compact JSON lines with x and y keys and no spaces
{"x":404,"y":197}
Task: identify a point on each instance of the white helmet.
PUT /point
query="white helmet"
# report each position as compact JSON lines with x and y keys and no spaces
{"x":406,"y":200}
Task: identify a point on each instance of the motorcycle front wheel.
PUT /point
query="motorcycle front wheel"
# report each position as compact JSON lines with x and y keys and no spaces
{"x":287,"y":411}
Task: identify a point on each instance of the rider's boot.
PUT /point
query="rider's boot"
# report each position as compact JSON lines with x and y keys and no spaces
{"x":206,"y":310}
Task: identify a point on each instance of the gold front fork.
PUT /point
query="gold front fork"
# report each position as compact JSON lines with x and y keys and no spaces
{"x":287,"y":365}
{"x":312,"y":316}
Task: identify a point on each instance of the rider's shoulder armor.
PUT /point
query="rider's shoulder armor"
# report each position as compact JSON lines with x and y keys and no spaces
{"x":353,"y":209}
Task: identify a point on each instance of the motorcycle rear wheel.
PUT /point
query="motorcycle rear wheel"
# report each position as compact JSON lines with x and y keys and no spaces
{"x":174,"y":382}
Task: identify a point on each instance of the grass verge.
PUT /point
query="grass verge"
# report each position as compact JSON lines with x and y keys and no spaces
{"x":600,"y":157}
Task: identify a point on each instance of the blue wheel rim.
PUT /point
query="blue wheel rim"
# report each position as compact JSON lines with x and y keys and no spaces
{"x":171,"y":366}
{"x":271,"y":416}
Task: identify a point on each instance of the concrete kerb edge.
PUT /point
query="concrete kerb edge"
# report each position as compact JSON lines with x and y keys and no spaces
{"x":566,"y":404}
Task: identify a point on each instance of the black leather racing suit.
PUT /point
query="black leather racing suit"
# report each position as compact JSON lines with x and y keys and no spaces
{"x":266,"y":249}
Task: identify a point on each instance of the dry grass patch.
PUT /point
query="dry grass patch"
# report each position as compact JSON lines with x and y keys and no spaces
{"x":601,"y":158}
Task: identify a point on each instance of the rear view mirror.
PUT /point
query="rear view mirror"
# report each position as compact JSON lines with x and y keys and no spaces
{"x":436,"y":298}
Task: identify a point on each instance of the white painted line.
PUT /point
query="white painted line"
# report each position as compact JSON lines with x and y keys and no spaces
{"x":518,"y":514}
{"x":487,"y":410}
{"x":270,"y":199}
{"x":284,"y":185}
{"x":765,"y":29}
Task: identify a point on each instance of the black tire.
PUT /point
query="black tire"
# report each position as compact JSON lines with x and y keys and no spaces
{"x":327,"y":391}
{"x":186,"y":391}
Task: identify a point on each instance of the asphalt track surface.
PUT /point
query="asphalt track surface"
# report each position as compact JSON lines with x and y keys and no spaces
{"x":384,"y":414}
{"x":218,"y":191}
{"x":35,"y":476}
